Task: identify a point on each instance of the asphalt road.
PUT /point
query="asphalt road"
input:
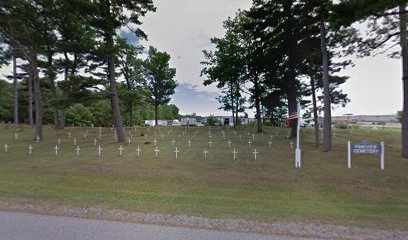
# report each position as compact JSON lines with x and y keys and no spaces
{"x":24,"y":226}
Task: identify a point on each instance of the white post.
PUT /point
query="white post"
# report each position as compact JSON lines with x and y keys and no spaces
{"x":255,"y":153}
{"x":234,"y":152}
{"x":99,"y":150}
{"x":120,"y":150}
{"x":189,"y":143}
{"x":205,"y":153}
{"x":382,"y":155}
{"x":138,"y":151}
{"x":298,"y":154}
{"x":56,"y":150}
{"x":6,"y":147}
{"x":349,"y":154}
{"x":77,"y":150}
{"x":30,"y":149}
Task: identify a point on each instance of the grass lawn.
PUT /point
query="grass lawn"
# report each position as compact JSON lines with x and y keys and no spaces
{"x":268,"y":189}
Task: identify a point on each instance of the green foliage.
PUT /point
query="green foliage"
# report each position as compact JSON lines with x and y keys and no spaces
{"x":102,"y":113}
{"x":169,"y":112}
{"x":399,"y":116}
{"x":212,"y":121}
{"x":6,"y":101}
{"x":79,"y":115}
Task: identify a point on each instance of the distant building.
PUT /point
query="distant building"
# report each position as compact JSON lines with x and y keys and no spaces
{"x":367,"y":118}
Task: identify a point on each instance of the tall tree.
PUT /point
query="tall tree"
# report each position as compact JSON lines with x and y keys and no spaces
{"x":160,"y":78}
{"x":110,"y":16}
{"x":387,"y":20}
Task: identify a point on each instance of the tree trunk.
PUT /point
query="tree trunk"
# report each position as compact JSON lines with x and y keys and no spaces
{"x":315,"y":116}
{"x":38,"y":98}
{"x":156,"y":112}
{"x":30,"y":96}
{"x":51,"y":76}
{"x":232,"y":105}
{"x":326,"y":94}
{"x":15,"y":90}
{"x":114,"y":93}
{"x":292,"y":104}
{"x":131,"y":122}
{"x":257,"y":103}
{"x":404,"y":54}
{"x":63,"y":117}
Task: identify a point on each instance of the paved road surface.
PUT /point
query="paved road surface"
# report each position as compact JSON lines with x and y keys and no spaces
{"x":23,"y":226}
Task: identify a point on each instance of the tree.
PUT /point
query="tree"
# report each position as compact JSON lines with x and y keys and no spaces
{"x":392,"y":30}
{"x":287,"y":35}
{"x":110,"y":16}
{"x":131,"y":68}
{"x":160,"y":80}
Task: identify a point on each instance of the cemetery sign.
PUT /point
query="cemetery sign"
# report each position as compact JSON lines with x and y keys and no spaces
{"x":365,"y":148}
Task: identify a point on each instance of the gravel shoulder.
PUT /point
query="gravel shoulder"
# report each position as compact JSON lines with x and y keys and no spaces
{"x":290,"y":229}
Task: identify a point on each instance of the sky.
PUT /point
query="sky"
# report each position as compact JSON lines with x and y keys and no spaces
{"x":183,"y":28}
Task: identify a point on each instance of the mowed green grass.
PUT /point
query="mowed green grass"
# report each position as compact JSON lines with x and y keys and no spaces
{"x":268,"y":189}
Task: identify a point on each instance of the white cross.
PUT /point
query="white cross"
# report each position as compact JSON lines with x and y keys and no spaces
{"x":255,"y":153}
{"x":155,"y":142}
{"x":253,"y":136}
{"x":129,"y":141}
{"x":210,"y":137}
{"x":249,"y":143}
{"x":99,"y":150}
{"x":15,"y":135}
{"x":95,"y":141}
{"x":75,"y":142}
{"x":205,"y":153}
{"x":6,"y":147}
{"x":37,"y":139}
{"x":157,"y":151}
{"x":189,"y":143}
{"x":138,"y":151}
{"x":69,"y":134}
{"x":56,"y":150}
{"x":173,"y":142}
{"x":85,"y":135}
{"x":270,"y":143}
{"x":120,"y":150}
{"x":176,"y":151}
{"x":229,"y":144}
{"x":77,"y":150}
{"x":291,"y":144}
{"x":59,"y":141}
{"x":210,"y":143}
{"x":234,"y":152}
{"x":30,"y":149}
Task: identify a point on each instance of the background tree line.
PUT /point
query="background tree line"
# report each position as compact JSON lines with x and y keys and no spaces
{"x":68,"y":58}
{"x":282,"y":52}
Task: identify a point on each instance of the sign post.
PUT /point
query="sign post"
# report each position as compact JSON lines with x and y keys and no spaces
{"x":298,"y":162}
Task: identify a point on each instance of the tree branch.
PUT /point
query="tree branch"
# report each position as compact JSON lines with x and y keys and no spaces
{"x":389,"y":13}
